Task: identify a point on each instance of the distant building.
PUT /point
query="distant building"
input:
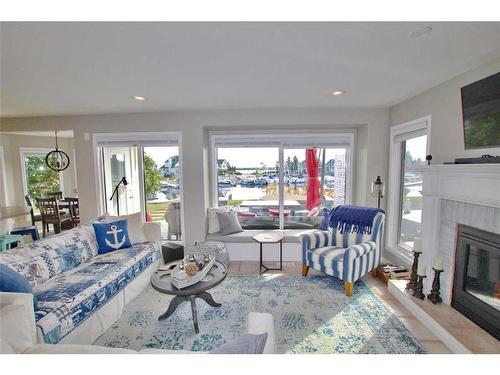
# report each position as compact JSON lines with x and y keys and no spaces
{"x":330,"y":167}
{"x":223,"y":165}
{"x":302,"y":169}
{"x":170,"y":167}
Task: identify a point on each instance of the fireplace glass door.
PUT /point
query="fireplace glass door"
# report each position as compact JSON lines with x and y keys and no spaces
{"x":481,"y":279}
{"x":476,"y":286}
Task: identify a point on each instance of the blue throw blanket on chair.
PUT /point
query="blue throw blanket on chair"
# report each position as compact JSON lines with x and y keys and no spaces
{"x":353,"y":218}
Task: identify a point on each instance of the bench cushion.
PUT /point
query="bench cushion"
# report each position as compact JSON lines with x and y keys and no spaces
{"x":67,"y":299}
{"x":291,"y":236}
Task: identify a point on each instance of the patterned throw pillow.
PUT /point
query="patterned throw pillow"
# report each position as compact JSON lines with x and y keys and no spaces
{"x":111,"y":236}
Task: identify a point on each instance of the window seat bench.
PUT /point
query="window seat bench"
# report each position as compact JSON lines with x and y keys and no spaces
{"x":241,"y":246}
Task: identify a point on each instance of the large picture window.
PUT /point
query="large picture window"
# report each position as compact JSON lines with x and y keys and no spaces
{"x":150,"y":163}
{"x":413,"y":152}
{"x":269,"y":183}
{"x":39,"y":180}
{"x":409,"y":147}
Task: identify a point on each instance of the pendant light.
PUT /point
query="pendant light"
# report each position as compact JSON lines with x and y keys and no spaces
{"x":57,"y":160}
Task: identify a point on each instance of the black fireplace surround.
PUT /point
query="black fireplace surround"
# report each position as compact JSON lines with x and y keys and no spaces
{"x":476,"y":286}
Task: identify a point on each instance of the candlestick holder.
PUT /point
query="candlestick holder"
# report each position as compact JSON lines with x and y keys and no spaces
{"x":434,"y":296}
{"x":413,"y":277}
{"x":419,"y":286}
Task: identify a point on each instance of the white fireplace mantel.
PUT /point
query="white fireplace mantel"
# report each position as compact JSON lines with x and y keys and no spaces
{"x":477,"y":184}
{"x":468,"y":183}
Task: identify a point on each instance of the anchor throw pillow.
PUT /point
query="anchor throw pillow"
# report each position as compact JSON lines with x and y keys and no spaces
{"x":111,"y":236}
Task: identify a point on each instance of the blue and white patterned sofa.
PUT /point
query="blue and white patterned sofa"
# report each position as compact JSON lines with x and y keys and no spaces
{"x":80,"y":294}
{"x":345,"y":255}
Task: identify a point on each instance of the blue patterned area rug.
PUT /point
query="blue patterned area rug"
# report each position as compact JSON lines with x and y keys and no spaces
{"x":312,"y":315}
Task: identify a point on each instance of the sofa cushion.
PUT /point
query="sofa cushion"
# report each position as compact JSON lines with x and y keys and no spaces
{"x":15,"y":329}
{"x":112,"y":235}
{"x":66,"y":300}
{"x":41,"y":260}
{"x":5,"y":347}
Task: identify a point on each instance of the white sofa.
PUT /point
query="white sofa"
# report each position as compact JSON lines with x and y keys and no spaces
{"x":80,"y":293}
{"x":18,"y":332}
{"x":60,"y":323}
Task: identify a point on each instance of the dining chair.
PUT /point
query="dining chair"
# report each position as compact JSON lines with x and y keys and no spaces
{"x":55,"y":194}
{"x":49,"y":209}
{"x":74,"y":210}
{"x":34,"y":218}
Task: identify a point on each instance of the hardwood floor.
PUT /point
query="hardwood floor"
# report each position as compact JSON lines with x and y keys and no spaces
{"x":426,"y":337}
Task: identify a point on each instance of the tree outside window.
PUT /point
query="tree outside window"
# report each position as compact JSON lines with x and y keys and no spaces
{"x":40,"y":179}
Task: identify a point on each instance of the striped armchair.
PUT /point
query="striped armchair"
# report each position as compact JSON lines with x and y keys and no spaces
{"x":347,"y":256}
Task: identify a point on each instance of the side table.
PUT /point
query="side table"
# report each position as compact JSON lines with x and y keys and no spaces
{"x":172,"y":251}
{"x":269,"y":237}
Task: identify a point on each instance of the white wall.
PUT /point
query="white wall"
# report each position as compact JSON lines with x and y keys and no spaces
{"x":372,"y":146}
{"x":444,"y":104}
{"x":13,"y":173}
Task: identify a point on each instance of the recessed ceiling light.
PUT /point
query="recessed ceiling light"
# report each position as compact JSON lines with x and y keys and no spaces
{"x":337,"y":93}
{"x":138,"y":98}
{"x":417,"y":33}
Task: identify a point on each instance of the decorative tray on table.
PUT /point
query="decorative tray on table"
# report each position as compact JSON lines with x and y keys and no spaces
{"x":180,"y":279}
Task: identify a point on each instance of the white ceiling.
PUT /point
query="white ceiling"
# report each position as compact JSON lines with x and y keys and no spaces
{"x":79,"y":68}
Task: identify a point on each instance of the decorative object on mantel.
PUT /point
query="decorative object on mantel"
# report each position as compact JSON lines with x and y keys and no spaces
{"x":417,"y":250}
{"x":419,"y":286}
{"x":428,"y":158}
{"x":434,"y":296}
{"x":378,"y":188}
{"x":57,"y":160}
{"x":437,"y":266}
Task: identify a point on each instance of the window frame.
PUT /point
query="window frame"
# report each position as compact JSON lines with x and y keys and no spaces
{"x":36,"y":151}
{"x":141,"y":140}
{"x":284,"y":139}
{"x":399,"y":134}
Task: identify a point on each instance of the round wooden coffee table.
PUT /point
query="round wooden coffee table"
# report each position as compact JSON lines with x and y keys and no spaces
{"x":161,"y":281}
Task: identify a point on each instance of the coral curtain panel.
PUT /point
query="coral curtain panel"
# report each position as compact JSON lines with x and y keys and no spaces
{"x":313,"y":185}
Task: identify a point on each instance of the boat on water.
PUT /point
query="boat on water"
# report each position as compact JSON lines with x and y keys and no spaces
{"x":225,"y":182}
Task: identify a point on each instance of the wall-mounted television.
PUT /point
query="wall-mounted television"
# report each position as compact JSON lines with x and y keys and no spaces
{"x":481,"y":113}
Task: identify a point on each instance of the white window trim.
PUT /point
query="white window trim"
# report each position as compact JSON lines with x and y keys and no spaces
{"x":4,"y":199}
{"x":283,"y":139}
{"x":397,"y":134}
{"x":32,"y":151}
{"x":145,"y":139}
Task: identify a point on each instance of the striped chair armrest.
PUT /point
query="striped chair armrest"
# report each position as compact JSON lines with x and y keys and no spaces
{"x":315,"y":239}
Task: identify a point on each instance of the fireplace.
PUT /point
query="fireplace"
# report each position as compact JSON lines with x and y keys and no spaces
{"x":476,"y":285}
